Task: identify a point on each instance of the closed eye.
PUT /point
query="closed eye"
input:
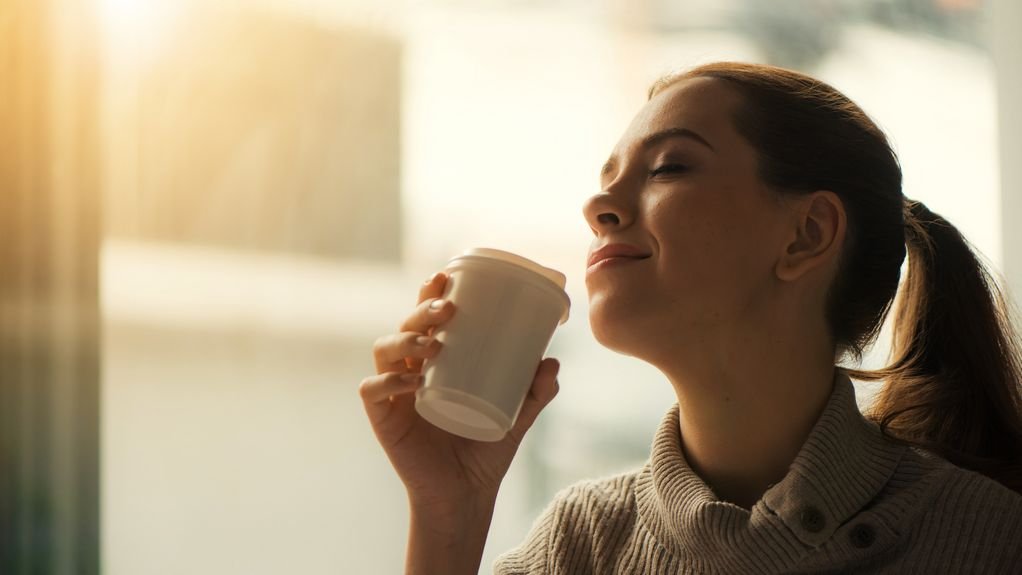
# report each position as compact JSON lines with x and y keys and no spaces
{"x":667,"y":169}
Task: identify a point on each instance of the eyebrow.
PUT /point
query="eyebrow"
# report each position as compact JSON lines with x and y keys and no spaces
{"x":657,"y":137}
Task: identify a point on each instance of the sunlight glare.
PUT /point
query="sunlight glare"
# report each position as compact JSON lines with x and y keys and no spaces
{"x":139,"y":23}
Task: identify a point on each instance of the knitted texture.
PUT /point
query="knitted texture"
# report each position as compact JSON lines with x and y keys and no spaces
{"x":850,"y":502}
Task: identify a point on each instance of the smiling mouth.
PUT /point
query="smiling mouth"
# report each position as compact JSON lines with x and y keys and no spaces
{"x":614,"y":261}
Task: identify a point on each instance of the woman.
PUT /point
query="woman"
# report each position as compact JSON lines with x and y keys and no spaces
{"x":764,"y":214}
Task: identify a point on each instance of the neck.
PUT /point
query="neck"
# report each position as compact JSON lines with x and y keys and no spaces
{"x":748,"y":403}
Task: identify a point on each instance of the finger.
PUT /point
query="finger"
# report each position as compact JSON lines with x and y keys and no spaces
{"x":544,"y":389}
{"x":433,"y":287}
{"x":426,"y":319}
{"x":391,"y":351}
{"x":430,"y":313}
{"x":376,"y":392}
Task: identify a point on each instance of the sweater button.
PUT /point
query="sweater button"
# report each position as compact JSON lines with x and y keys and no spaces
{"x":863,"y":535}
{"x":812,"y":519}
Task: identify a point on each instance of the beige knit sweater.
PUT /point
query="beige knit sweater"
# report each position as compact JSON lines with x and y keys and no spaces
{"x":851,"y":502}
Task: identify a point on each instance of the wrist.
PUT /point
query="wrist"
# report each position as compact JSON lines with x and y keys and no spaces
{"x":452,"y":515}
{"x":448,"y":537}
{"x":472,"y":498}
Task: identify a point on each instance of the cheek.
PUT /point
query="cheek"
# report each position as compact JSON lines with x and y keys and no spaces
{"x":712,"y":254}
{"x":696,"y":239}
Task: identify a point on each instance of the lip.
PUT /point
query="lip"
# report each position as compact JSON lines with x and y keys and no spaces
{"x":610,"y":263}
{"x":616,"y":251}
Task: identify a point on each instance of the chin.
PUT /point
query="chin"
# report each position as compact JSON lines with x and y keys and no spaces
{"x":615,"y":328}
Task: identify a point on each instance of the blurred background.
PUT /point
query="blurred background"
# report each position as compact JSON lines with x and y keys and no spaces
{"x":261,"y":185}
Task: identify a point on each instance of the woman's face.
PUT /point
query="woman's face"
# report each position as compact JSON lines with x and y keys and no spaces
{"x":682,"y":188}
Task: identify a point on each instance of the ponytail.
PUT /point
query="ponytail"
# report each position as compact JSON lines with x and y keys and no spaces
{"x":953,"y":385}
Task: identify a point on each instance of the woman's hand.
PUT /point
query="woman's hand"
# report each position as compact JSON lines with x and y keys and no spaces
{"x":452,"y":482}
{"x":440,"y":471}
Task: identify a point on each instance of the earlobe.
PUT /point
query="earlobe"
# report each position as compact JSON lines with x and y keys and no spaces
{"x":817,"y":230}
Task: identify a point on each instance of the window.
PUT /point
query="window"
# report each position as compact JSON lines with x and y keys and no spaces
{"x":281,"y":176}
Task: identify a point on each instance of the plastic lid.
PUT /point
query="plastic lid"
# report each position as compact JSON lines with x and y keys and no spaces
{"x":551,"y":274}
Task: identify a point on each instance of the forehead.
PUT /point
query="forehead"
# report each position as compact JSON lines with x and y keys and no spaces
{"x":703,"y":105}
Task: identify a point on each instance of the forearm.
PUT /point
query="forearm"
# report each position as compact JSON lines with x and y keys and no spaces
{"x":448,"y":540}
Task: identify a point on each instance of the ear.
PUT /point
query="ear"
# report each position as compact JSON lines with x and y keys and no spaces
{"x":816,"y":235}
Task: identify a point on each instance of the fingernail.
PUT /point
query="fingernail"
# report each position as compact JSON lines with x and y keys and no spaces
{"x":411,"y":377}
{"x":424,"y":340}
{"x":437,"y":304}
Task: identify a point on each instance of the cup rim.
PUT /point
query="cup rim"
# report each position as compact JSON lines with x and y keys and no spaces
{"x":551,"y":274}
{"x":543,"y":281}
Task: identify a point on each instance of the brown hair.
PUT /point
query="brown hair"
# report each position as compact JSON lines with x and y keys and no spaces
{"x":953,"y":386}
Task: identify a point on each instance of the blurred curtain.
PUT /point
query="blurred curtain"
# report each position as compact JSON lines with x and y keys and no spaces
{"x":49,"y":308}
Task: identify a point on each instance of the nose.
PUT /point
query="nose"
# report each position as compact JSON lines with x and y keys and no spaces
{"x":605,"y":212}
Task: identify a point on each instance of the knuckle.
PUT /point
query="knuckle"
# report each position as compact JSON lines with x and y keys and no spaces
{"x":408,"y":340}
{"x":381,"y":343}
{"x":365,"y":387}
{"x":428,"y":288}
{"x":424,"y":292}
{"x":423,"y":309}
{"x":414,"y":319}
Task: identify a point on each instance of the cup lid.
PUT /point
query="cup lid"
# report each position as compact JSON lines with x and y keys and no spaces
{"x":551,"y":274}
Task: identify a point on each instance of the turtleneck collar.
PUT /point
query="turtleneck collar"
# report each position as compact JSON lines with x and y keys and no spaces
{"x":841,"y":466}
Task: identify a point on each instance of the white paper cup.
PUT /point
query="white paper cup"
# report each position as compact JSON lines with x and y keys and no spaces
{"x":506,"y":310}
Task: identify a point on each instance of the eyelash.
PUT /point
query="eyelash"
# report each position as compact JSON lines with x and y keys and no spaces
{"x":667,"y":168}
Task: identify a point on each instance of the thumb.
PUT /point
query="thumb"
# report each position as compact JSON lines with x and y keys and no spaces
{"x":544,"y":389}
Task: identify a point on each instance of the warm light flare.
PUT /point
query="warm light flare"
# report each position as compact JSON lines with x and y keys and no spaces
{"x":140,"y":24}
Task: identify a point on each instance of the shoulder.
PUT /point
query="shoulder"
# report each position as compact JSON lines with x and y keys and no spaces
{"x":956,"y":508}
{"x":970,"y":495}
{"x":957,"y":489}
{"x":581,"y":512}
{"x":608,"y":494}
{"x":583,"y":522}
